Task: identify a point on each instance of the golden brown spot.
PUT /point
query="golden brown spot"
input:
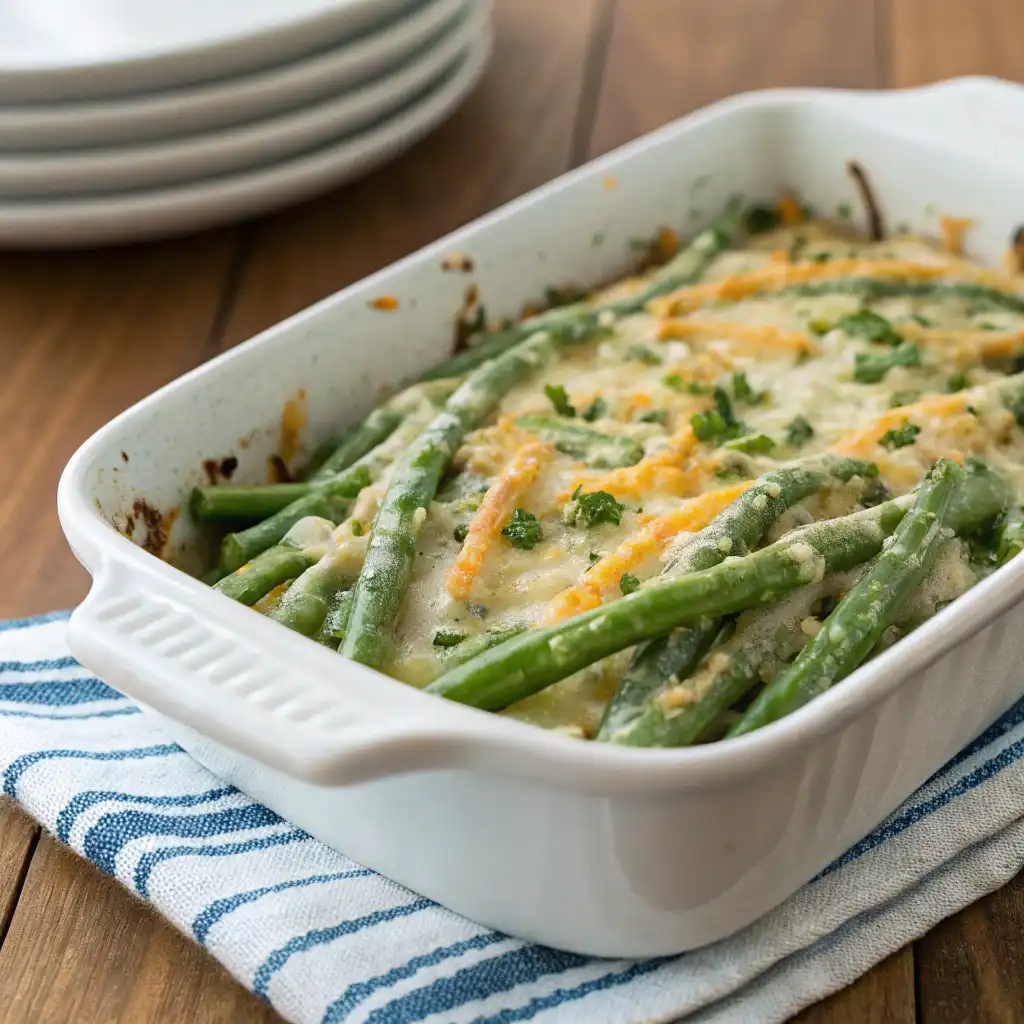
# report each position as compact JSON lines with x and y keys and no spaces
{"x":609,"y":182}
{"x":157,"y":525}
{"x":385,"y":303}
{"x":293,"y":421}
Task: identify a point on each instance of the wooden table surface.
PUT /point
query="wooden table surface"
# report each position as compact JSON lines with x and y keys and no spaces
{"x":85,"y":334}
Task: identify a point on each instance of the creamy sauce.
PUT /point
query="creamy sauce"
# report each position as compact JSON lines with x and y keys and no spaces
{"x":633,"y":385}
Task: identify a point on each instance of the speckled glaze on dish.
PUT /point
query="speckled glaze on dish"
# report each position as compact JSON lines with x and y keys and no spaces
{"x":586,"y":847}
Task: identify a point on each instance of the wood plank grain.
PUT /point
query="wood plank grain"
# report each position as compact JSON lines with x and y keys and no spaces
{"x":885,"y":995}
{"x":82,"y":336}
{"x":81,"y":948}
{"x":933,"y":39}
{"x":969,"y":966}
{"x":668,"y":57}
{"x":515,"y":132}
{"x":18,"y":835}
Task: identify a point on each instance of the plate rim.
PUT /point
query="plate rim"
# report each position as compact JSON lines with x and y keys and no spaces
{"x":276,"y":88}
{"x":186,"y":208}
{"x":229,"y":54}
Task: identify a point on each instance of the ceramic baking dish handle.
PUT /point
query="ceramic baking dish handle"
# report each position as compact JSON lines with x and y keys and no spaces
{"x":985,"y":115}
{"x":284,"y":701}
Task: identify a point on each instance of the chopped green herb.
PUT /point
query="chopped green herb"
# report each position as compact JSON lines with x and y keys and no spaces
{"x":922,"y":321}
{"x":761,"y":219}
{"x":460,"y":532}
{"x":523,"y":530}
{"x":901,"y":436}
{"x":628,"y":583}
{"x":717,"y":424}
{"x":444,"y":637}
{"x":844,"y":210}
{"x":743,"y":392}
{"x":751,"y":444}
{"x":986,"y":326}
{"x":972,"y":410}
{"x":898,"y":398}
{"x":957,"y":382}
{"x":798,"y":432}
{"x":798,"y":246}
{"x":559,"y":399}
{"x":594,"y":557}
{"x":821,"y":257}
{"x":597,"y":410}
{"x":645,"y":355}
{"x":653,"y":416}
{"x":357,"y":528}
{"x":478,"y":611}
{"x":869,"y":326}
{"x":869,"y":368}
{"x":820,"y":327}
{"x":592,"y":509}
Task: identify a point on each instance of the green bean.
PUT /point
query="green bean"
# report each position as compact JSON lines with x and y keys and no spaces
{"x":856,"y":625}
{"x":600,"y":451}
{"x":300,"y":547}
{"x":382,"y":585}
{"x":529,"y":663}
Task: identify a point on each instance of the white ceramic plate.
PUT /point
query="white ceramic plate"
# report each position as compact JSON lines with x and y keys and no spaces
{"x":258,"y":143}
{"x":150,"y":213}
{"x":229,"y":101}
{"x":72,"y":49}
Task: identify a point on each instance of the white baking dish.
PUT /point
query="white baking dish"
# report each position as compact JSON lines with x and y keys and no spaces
{"x":578,"y":845}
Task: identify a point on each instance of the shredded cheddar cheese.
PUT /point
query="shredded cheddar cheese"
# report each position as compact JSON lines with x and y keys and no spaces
{"x":496,"y":507}
{"x":758,"y":336}
{"x":775,"y":277}
{"x":661,"y":470}
{"x":604,"y":577}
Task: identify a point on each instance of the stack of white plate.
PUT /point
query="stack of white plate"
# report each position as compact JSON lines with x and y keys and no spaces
{"x":124,"y":119}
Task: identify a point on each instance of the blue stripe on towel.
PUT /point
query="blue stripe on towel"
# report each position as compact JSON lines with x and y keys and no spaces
{"x":471,"y":984}
{"x":58,"y":694}
{"x":39,"y":665}
{"x":339,"y":1010}
{"x":83,"y":801}
{"x":113,"y":832}
{"x":568,"y":995}
{"x":321,"y":936}
{"x":148,"y":862}
{"x":221,"y":908}
{"x":35,"y":620}
{"x":18,"y":767}
{"x":113,"y":713}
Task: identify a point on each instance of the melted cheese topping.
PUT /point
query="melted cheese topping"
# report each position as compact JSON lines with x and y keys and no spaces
{"x":782,"y":358}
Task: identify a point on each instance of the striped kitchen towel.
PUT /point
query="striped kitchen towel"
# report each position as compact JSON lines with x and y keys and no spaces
{"x":325,"y":940}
